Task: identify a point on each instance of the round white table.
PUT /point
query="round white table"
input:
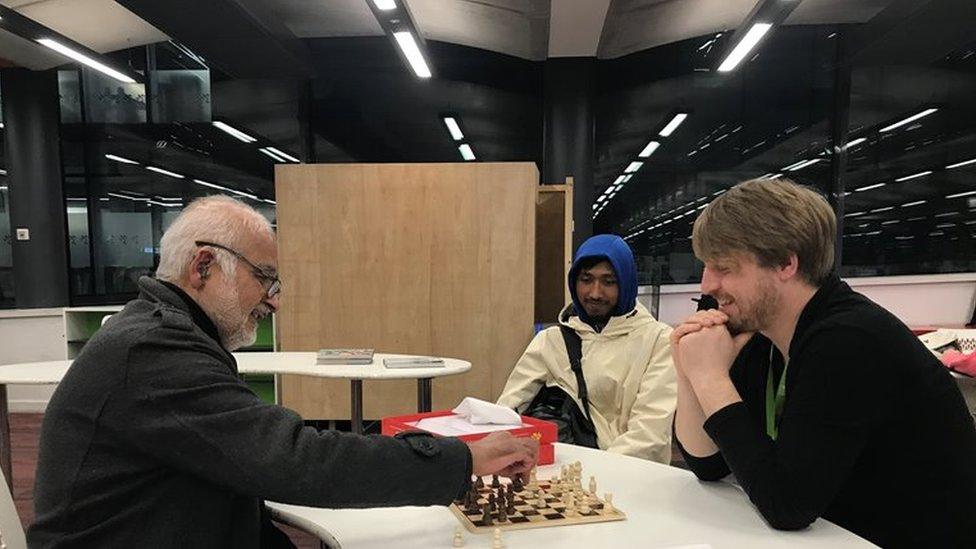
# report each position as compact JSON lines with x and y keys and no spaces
{"x":665,"y":507}
{"x":276,"y":363}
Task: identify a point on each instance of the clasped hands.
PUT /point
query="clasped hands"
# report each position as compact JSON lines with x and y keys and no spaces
{"x":703,"y":349}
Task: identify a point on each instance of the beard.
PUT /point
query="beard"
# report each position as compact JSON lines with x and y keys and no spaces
{"x":233,"y":323}
{"x":756,"y":315}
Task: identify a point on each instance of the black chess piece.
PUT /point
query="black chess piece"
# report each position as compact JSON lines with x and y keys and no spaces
{"x":511,"y":504}
{"x":479,"y":483}
{"x":517,"y":484}
{"x":486,"y":516}
{"x":502,"y":494}
{"x":491,"y":501}
{"x":502,"y":514}
{"x":494,"y":481}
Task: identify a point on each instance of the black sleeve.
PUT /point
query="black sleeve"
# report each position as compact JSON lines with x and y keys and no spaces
{"x":711,"y":467}
{"x":835,"y":393}
{"x":191,"y":413}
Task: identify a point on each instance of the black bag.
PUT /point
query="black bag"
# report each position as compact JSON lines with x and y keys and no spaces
{"x":555,"y":405}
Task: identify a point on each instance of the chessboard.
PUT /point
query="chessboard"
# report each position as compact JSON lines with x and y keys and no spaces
{"x":490,"y":505}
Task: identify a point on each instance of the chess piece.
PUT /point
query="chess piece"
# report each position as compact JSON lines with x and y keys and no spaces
{"x":486,"y":516}
{"x":491,"y":502}
{"x":510,"y":508}
{"x":608,"y":502}
{"x":458,"y":537}
{"x":502,"y":513}
{"x":570,"y":505}
{"x":540,"y":503}
{"x":517,"y":484}
{"x":494,"y":481}
{"x":479,"y":483}
{"x":496,"y":539}
{"x":533,"y":477}
{"x":593,"y":485}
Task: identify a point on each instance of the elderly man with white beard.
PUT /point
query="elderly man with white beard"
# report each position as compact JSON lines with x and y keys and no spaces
{"x":152,"y":440}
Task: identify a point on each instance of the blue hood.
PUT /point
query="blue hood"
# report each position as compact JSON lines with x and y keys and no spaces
{"x":614,"y":249}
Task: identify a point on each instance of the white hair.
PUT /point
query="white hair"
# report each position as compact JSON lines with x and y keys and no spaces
{"x":219,"y":219}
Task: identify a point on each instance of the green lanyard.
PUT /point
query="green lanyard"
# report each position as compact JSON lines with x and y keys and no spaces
{"x":774,"y":403}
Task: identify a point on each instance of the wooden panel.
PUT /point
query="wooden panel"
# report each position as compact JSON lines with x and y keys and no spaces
{"x":554,"y":241}
{"x":427,"y":259}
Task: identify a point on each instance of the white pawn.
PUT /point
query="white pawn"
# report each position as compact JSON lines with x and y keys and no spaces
{"x":593,"y":485}
{"x":570,"y":505}
{"x":496,"y":539}
{"x":458,"y":537}
{"x":608,"y":500}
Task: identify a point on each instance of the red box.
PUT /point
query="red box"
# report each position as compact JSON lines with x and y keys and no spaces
{"x":541,"y":430}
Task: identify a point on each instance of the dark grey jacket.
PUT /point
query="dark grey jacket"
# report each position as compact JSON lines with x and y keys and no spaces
{"x":151,"y":440}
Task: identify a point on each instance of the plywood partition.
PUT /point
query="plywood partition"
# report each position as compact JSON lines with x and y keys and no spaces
{"x":432,"y":259}
{"x":553,"y":249}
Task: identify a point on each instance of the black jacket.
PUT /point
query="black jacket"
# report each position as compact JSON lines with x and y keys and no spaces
{"x":874,"y":434}
{"x":152,"y":440}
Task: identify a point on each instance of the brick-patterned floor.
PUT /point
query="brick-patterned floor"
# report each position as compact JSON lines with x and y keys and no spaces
{"x":25,"y":430}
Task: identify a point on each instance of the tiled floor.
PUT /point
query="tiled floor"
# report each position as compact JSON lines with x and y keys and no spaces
{"x":25,"y":430}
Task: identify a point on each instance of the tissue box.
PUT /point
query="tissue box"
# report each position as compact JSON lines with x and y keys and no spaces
{"x":543,"y":431}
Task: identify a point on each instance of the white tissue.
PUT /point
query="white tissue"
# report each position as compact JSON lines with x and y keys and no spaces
{"x":480,"y":412}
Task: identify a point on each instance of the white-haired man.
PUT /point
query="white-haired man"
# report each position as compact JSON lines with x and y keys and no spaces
{"x":151,"y":439}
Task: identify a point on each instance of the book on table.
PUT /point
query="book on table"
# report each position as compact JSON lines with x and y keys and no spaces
{"x":344,"y":356}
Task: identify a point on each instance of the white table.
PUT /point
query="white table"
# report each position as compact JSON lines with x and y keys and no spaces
{"x":665,"y":507}
{"x":278,"y":363}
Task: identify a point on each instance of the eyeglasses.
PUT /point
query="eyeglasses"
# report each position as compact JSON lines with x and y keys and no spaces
{"x":271,"y":283}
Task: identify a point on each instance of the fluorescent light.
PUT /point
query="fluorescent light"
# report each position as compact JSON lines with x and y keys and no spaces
{"x":916,"y":203}
{"x":673,"y":124}
{"x":233,"y":131}
{"x":408,"y":45}
{"x":885,"y":209}
{"x":947,"y":214}
{"x":164,"y":172}
{"x":890,"y":222}
{"x":855,"y":214}
{"x":84,"y":59}
{"x":282,"y":154}
{"x":466,"y":152}
{"x":908,"y":120}
{"x":384,"y":5}
{"x":452,"y":126}
{"x":949,"y":167}
{"x":913,"y":176}
{"x":804,"y":164}
{"x":120,"y":159}
{"x":627,"y":177}
{"x":3,"y":172}
{"x":793,"y":165}
{"x":869,"y":187}
{"x":132,"y":198}
{"x":601,"y":198}
{"x":269,"y":201}
{"x":620,"y":180}
{"x":957,"y":195}
{"x":633,"y":167}
{"x":266,"y":151}
{"x":649,"y":149}
{"x":1,"y":125}
{"x":743,"y":48}
{"x":856,"y":142}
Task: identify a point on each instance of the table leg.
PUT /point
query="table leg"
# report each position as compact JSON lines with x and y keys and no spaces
{"x":356,"y":400}
{"x":5,"y":445}
{"x":424,"y":394}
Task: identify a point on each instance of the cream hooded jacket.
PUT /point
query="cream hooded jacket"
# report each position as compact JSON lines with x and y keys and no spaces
{"x":629,"y":376}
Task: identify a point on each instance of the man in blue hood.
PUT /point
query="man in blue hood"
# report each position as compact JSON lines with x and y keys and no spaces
{"x":626,"y":356}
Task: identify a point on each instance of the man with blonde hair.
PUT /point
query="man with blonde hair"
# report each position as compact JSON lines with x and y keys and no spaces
{"x":820,"y":402}
{"x":152,"y":440}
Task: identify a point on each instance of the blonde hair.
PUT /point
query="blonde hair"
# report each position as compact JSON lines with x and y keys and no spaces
{"x":217,"y":218}
{"x":771,"y":219}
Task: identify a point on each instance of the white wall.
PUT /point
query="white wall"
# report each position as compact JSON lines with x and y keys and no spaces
{"x":922,"y":300}
{"x":31,"y":335}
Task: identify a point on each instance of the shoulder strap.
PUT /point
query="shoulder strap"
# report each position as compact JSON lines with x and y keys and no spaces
{"x":574,"y":346}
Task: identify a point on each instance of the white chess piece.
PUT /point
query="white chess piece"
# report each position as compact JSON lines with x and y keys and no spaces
{"x":593,"y":485}
{"x":458,"y":537}
{"x":496,"y":539}
{"x":608,"y":500}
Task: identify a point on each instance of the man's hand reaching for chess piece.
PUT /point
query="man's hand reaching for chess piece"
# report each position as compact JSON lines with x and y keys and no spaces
{"x":502,"y":454}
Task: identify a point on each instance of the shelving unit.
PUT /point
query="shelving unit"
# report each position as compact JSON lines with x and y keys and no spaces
{"x":81,"y":323}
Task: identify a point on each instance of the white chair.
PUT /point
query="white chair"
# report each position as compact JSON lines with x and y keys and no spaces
{"x":11,"y":532}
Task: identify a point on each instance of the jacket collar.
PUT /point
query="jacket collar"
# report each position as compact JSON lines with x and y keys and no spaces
{"x":617,"y":325}
{"x":166,"y":292}
{"x":817,"y":305}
